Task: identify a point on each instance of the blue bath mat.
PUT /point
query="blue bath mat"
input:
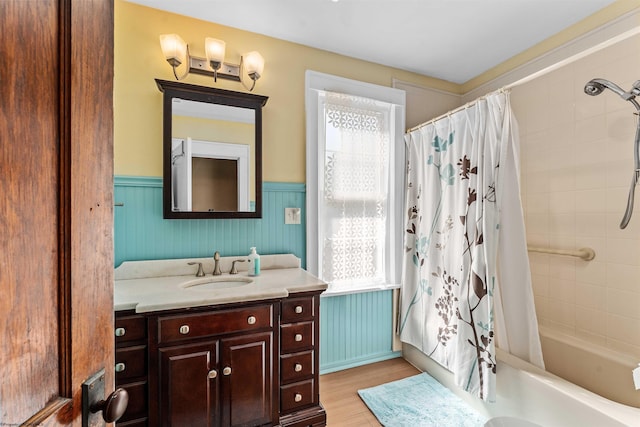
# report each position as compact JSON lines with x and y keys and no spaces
{"x":419,"y":401}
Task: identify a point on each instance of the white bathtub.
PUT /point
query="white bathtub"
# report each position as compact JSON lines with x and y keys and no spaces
{"x":527,"y":392}
{"x":596,"y":368}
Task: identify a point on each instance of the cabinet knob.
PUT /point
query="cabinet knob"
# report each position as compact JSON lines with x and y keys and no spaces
{"x":251,"y":320}
{"x":297,"y":367}
{"x":120,"y":367}
{"x":184,"y":329}
{"x":298,"y":309}
{"x":226,"y":371}
{"x":298,"y":397}
{"x":298,"y":337}
{"x":120,"y":332}
{"x":213,"y":373}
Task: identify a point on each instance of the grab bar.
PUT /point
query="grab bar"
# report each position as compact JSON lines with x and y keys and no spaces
{"x":586,"y":254}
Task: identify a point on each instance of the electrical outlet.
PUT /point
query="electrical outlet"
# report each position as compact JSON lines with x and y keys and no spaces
{"x":292,"y":215}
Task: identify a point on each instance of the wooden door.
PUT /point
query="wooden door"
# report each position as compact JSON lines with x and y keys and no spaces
{"x":188,"y":379}
{"x":56,"y":206}
{"x":247,"y":378}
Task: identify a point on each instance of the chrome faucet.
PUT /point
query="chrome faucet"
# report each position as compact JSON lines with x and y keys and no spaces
{"x":200,"y":272}
{"x":233,"y":266}
{"x":216,"y":267}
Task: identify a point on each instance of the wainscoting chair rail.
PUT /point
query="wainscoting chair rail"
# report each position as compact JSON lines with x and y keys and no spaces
{"x":587,"y":254}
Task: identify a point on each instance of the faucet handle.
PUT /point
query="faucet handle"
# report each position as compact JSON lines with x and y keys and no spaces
{"x":216,"y":266}
{"x":200,"y":272}
{"x":233,"y":266}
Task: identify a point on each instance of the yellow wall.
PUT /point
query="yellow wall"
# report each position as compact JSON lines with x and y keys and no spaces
{"x":138,"y":60}
{"x":138,"y":102}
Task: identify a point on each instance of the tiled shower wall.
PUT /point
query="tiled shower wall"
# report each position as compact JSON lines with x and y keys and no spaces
{"x":576,"y":166}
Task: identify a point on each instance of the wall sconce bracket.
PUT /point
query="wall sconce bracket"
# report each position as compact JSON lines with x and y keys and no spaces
{"x":226,"y":71}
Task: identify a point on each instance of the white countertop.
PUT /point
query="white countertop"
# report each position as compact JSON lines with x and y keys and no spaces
{"x":141,"y":287}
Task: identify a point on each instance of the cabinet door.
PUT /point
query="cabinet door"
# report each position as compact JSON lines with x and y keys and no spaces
{"x":189,"y":385}
{"x":247,"y":370}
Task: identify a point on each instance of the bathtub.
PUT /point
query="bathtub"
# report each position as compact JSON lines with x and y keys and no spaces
{"x":530,"y":393}
{"x":593,"y":367}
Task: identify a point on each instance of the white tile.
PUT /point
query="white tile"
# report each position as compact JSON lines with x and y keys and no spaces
{"x":539,"y":264}
{"x":624,"y":303}
{"x":591,"y":296}
{"x":537,"y":223}
{"x":590,"y":224}
{"x":562,"y":179}
{"x":591,"y":272}
{"x":537,"y":182}
{"x":540,"y":285}
{"x":621,"y":127}
{"x":537,"y":240}
{"x":623,"y":251}
{"x":591,"y":201}
{"x":562,"y":290}
{"x":562,"y":313}
{"x":562,"y":224}
{"x":623,"y":329}
{"x":537,"y":203}
{"x":562,"y":267}
{"x":562,"y":202}
{"x":623,"y":277}
{"x":590,"y":130}
{"x":591,"y":320}
{"x":590,"y":178}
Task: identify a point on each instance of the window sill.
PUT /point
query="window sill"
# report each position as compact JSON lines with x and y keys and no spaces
{"x":337,"y":292}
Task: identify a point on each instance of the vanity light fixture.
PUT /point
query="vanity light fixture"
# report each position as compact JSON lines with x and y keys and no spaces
{"x":176,"y":52}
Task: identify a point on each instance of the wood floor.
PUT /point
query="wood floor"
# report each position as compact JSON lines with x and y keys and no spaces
{"x":339,"y":391}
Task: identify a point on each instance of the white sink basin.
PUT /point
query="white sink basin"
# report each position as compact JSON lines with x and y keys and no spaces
{"x":215,"y":283}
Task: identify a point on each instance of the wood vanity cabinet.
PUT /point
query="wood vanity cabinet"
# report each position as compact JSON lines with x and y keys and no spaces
{"x":299,"y":361}
{"x":131,"y":366}
{"x":237,"y":365}
{"x":213,"y":367}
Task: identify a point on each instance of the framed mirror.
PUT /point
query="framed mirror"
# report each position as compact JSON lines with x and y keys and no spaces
{"x":212,"y":152}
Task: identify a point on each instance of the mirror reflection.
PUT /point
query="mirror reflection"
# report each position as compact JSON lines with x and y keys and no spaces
{"x":212,"y":152}
{"x":212,"y":157}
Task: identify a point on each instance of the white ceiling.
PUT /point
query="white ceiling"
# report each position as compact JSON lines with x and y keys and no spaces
{"x":454,"y":40}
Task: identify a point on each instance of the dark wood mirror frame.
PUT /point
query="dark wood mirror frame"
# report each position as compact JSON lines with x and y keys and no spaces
{"x":173,"y":89}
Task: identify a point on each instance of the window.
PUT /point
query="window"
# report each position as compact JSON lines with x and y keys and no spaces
{"x":355,"y":175}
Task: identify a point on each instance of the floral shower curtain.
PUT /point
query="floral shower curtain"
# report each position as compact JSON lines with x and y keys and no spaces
{"x":453,"y":305}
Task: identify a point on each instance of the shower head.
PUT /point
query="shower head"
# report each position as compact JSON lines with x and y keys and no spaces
{"x":597,"y":86}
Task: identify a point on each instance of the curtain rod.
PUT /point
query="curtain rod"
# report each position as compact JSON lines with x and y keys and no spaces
{"x":462,"y":107}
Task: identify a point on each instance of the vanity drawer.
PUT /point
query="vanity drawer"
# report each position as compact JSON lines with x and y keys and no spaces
{"x":181,"y":327}
{"x":131,"y":362}
{"x":137,"y":407}
{"x":130,"y":328}
{"x":297,"y":366}
{"x":296,"y":337}
{"x":296,"y":395}
{"x":298,"y":309}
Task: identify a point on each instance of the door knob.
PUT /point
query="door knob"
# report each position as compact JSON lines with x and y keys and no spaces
{"x":113,"y":406}
{"x":93,"y":401}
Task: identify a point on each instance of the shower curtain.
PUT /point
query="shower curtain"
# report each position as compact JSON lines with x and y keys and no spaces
{"x":463,"y":216}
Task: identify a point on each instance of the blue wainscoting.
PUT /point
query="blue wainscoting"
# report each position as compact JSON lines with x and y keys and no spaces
{"x":141,"y":233}
{"x":355,"y":329}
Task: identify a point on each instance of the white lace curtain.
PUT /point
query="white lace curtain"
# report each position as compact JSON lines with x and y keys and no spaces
{"x":354,"y":187}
